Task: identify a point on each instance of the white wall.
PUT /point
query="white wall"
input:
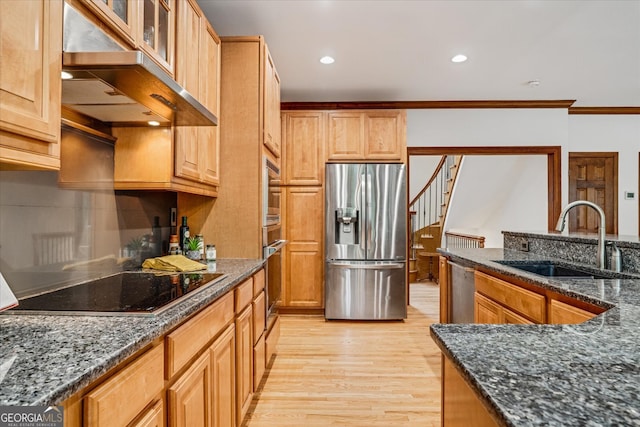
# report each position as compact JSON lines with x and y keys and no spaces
{"x":420,"y":170}
{"x":528,"y":127}
{"x":494,"y":193}
{"x":619,"y":133}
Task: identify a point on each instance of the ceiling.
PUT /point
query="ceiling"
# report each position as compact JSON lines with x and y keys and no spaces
{"x":397,"y":50}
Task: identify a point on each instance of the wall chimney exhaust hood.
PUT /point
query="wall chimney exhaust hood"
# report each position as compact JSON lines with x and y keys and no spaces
{"x":121,"y":87}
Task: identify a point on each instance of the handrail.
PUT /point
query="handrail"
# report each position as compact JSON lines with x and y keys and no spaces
{"x":433,"y":177}
{"x":463,"y":240}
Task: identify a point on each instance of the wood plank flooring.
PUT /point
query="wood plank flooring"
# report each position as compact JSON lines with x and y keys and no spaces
{"x":335,"y":373}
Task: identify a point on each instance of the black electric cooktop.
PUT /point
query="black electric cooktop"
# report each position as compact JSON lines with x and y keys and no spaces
{"x":121,"y":293}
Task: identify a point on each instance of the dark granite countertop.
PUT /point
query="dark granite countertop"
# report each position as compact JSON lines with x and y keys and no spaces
{"x":552,"y":375}
{"x":45,"y":359}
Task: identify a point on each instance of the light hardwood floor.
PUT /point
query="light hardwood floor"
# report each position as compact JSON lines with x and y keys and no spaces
{"x":354,"y":373}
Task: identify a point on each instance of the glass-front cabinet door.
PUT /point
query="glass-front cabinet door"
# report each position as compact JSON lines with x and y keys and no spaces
{"x":157,"y":28}
{"x":120,"y":15}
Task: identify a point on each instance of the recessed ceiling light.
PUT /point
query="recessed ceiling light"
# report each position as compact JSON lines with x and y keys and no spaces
{"x":153,"y":123}
{"x":327,"y":60}
{"x":459,"y":58}
{"x":533,"y":83}
{"x":66,"y":75}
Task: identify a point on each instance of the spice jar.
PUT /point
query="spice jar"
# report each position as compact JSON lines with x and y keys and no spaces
{"x":174,"y":245}
{"x":211,"y":252}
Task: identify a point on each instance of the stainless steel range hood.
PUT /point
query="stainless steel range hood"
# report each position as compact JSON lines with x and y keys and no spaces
{"x":121,"y":87}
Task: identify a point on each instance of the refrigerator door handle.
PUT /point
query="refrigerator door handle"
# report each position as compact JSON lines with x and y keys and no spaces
{"x":380,"y":266}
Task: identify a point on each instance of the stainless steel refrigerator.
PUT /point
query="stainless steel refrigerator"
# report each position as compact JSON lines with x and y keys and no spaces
{"x":365,"y":241}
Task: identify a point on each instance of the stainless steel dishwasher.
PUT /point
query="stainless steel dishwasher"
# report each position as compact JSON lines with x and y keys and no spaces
{"x":462,"y":290}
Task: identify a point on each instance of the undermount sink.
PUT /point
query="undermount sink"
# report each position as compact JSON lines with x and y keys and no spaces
{"x":553,"y":269}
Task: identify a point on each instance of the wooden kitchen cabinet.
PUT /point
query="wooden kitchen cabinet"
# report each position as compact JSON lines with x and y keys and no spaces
{"x":303,"y":147}
{"x":153,"y":417}
{"x":520,"y":301}
{"x":111,"y":403}
{"x":244,"y":362}
{"x":272,"y":132}
{"x":303,"y":268}
{"x":30,"y":102}
{"x":156,"y":30}
{"x":198,"y":71}
{"x":461,"y":407}
{"x":223,"y":382}
{"x":488,"y":311}
{"x":121,"y":16}
{"x":369,"y":135}
{"x":189,"y":398}
{"x":235,"y":223}
{"x":563,"y":313}
{"x":445,"y":288}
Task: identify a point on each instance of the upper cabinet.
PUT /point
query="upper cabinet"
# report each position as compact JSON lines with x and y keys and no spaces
{"x":145,"y":24}
{"x":198,"y":71}
{"x":155,"y":33}
{"x":367,"y":135}
{"x":271,"y":105}
{"x":30,"y":48}
{"x":185,"y":158}
{"x":120,"y":15}
{"x":303,"y":147}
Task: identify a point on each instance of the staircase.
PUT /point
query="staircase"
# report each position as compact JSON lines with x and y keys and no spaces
{"x":428,"y":210}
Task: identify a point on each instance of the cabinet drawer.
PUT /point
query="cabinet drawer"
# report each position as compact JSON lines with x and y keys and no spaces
{"x":244,"y":294}
{"x":152,"y":417}
{"x":259,"y":317}
{"x":271,"y":341}
{"x":123,"y":396}
{"x":259,"y":362}
{"x":513,"y":297}
{"x":186,"y":341}
{"x":258,"y":282}
{"x":562,"y":313}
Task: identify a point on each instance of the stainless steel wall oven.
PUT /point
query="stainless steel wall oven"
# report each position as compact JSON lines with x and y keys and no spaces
{"x":270,"y":193}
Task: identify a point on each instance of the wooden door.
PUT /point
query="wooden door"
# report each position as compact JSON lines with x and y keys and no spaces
{"x":209,"y":136}
{"x":223,"y":382}
{"x":30,"y":46}
{"x":384,"y":135}
{"x":303,"y":283}
{"x":190,"y":397}
{"x":486,"y":310}
{"x":304,"y":147}
{"x":271,"y":108}
{"x":244,"y":362}
{"x":346,"y":136}
{"x":593,"y":177}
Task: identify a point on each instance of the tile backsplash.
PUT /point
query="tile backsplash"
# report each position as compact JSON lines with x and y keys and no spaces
{"x":51,"y":236}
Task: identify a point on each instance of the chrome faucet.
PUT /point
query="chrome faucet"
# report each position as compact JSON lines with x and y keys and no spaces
{"x":601,"y":229}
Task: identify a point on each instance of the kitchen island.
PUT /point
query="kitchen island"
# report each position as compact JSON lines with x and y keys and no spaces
{"x":551,"y":375}
{"x":44,"y":359}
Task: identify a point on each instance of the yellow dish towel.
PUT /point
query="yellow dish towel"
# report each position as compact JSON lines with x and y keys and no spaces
{"x":173,"y":263}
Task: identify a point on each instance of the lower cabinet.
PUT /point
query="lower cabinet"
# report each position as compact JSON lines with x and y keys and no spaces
{"x":223,"y":382}
{"x":244,"y":362}
{"x":202,"y":373}
{"x":488,"y":311}
{"x":461,"y":407}
{"x":190,"y":397}
{"x":562,"y":313}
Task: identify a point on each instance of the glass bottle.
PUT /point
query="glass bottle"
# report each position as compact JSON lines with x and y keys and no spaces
{"x":184,"y":234}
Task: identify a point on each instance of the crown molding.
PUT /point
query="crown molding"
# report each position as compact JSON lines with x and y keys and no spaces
{"x":604,"y":110}
{"x":412,"y":105}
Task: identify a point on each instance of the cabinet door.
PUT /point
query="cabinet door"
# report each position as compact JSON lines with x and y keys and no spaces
{"x":271,"y":109}
{"x":120,"y":15}
{"x":223,"y":369}
{"x":156,"y":31}
{"x":486,"y":310}
{"x":31,"y":40}
{"x":562,"y":313}
{"x":122,"y":397}
{"x":303,"y":256}
{"x":190,"y":397}
{"x":303,"y":147}
{"x":153,"y":417}
{"x":210,"y":135}
{"x":346,"y":136}
{"x":445,"y":289}
{"x":384,"y":135}
{"x":244,"y":362}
